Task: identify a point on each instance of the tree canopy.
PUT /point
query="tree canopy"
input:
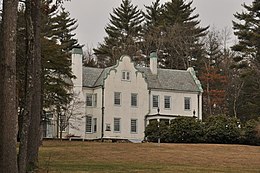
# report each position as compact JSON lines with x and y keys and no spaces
{"x":123,"y":33}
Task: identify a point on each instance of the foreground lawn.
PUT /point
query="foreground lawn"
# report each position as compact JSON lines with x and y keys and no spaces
{"x":93,"y":157}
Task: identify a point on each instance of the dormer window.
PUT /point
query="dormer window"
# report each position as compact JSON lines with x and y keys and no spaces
{"x":126,"y":75}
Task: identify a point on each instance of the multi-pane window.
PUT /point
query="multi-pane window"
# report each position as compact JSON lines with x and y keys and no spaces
{"x":91,"y":100}
{"x":125,"y":75}
{"x":117,"y":98}
{"x":167,"y":102}
{"x":133,"y":99}
{"x":133,"y":125}
{"x":94,"y":125}
{"x":155,"y":101}
{"x":116,"y":124}
{"x":88,"y":124}
{"x":186,"y":103}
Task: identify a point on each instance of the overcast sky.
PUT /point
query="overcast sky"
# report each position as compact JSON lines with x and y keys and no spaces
{"x":93,"y":15}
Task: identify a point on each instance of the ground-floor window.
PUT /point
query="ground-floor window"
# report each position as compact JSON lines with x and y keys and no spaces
{"x":94,"y":125}
{"x":91,"y":124}
{"x":133,"y":125}
{"x":187,"y":101}
{"x":88,"y":124}
{"x":116,"y":124}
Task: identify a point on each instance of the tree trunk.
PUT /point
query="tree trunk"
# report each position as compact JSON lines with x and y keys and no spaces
{"x":8,"y":104}
{"x":28,"y":87}
{"x":36,"y":109}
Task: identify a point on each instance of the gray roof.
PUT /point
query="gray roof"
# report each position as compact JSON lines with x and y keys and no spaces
{"x":166,"y":79}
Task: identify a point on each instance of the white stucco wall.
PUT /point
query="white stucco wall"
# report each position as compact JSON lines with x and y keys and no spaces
{"x":94,"y":112}
{"x":125,"y":112}
{"x":137,"y":85}
{"x":177,"y":103}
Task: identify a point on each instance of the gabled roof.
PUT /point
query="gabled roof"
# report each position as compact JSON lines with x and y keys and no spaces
{"x":166,"y":79}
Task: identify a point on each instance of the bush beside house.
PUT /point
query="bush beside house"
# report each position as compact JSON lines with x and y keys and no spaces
{"x":216,"y":129}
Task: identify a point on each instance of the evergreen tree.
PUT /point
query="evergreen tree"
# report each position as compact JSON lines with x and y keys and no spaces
{"x":247,"y":30}
{"x":124,"y":33}
{"x":177,"y":36}
{"x":152,"y":39}
{"x":57,"y":43}
{"x":63,"y":27}
{"x":153,"y":15}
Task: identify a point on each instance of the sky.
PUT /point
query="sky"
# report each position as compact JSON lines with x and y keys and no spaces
{"x":93,"y":15}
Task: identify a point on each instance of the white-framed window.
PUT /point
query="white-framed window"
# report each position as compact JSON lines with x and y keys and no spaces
{"x":126,"y":75}
{"x":167,"y":102}
{"x":88,"y":124}
{"x":116,"y":124}
{"x":94,"y":125}
{"x":91,"y":100}
{"x":187,"y":101}
{"x":91,"y":124}
{"x":155,"y":101}
{"x":117,"y":98}
{"x":133,"y":126}
{"x":133,"y":99}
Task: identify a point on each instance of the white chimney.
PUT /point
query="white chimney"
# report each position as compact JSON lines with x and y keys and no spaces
{"x":153,"y":63}
{"x":76,"y":59}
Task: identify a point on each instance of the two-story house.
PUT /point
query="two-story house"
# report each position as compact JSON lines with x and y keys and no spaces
{"x":119,"y":101}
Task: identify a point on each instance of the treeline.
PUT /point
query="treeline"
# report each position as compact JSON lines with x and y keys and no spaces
{"x":35,"y":69}
{"x":229,"y":72}
{"x":219,"y":129}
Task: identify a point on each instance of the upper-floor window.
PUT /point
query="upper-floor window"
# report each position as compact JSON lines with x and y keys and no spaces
{"x":133,"y":99}
{"x":167,"y":102}
{"x":187,"y":103}
{"x":155,"y":101}
{"x":125,"y":75}
{"x":117,"y":98}
{"x":91,"y":100}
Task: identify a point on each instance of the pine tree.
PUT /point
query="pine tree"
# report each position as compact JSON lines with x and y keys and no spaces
{"x":57,"y":43}
{"x":178,"y":34}
{"x":153,"y":15}
{"x":123,"y":34}
{"x":247,"y":30}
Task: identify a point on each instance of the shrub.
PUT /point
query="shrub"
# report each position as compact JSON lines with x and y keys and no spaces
{"x":251,"y":132}
{"x":156,"y":130}
{"x":222,"y":129}
{"x":186,"y":130}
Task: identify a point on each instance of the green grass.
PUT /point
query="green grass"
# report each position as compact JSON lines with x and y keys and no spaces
{"x":75,"y":156}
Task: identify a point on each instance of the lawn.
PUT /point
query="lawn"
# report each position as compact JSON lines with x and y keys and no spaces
{"x":95,"y":157}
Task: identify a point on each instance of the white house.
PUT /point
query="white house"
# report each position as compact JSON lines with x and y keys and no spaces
{"x":122,"y":99}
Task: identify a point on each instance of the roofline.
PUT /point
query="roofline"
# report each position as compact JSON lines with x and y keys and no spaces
{"x":161,"y":89}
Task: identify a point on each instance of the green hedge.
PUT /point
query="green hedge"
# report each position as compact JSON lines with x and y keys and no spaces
{"x":216,"y":129}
